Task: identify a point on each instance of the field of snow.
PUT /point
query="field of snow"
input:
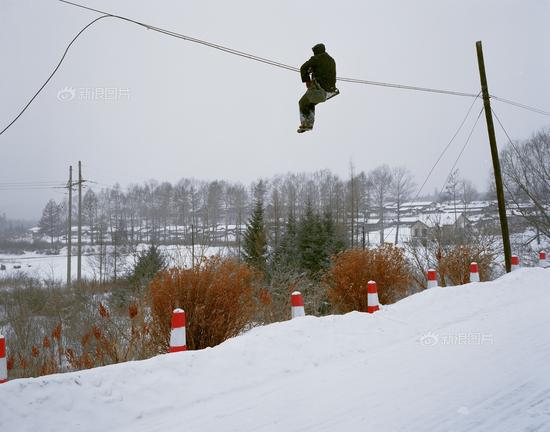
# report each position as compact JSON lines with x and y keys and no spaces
{"x":54,"y":267}
{"x":468,"y":358}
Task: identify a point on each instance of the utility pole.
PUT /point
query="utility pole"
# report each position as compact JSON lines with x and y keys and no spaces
{"x":496,"y":162}
{"x":69,"y":225}
{"x":79,"y":246}
{"x":193,"y":245}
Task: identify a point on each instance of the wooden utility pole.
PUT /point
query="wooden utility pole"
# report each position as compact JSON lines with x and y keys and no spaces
{"x":193,"y":245}
{"x":79,"y":246}
{"x":496,"y":162}
{"x":69,"y":225}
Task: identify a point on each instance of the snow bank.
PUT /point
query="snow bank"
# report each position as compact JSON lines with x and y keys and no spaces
{"x":468,"y":358}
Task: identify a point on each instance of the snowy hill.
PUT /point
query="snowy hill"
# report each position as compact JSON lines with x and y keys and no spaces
{"x":468,"y":358}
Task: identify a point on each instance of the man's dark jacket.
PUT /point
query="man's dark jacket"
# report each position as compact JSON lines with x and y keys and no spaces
{"x":322,"y":66}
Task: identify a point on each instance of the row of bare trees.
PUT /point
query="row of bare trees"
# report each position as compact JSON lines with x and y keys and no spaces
{"x":526,"y":171}
{"x":213,"y":212}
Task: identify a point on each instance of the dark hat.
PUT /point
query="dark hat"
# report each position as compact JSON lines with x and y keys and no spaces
{"x":318,"y":49}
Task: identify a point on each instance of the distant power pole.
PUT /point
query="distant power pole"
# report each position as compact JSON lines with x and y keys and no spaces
{"x":69,"y":225}
{"x":79,"y":246}
{"x":496,"y":162}
{"x":193,"y":245}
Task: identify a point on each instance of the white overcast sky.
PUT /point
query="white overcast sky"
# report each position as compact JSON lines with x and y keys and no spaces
{"x":183,"y":110}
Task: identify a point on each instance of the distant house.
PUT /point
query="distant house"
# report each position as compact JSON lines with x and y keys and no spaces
{"x":36,"y":233}
{"x":419,"y":230}
{"x":426,"y":223}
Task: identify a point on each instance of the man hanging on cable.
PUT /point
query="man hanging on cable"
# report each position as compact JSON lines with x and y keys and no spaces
{"x":319,"y":74}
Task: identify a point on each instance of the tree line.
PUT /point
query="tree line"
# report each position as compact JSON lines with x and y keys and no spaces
{"x":214,"y":212}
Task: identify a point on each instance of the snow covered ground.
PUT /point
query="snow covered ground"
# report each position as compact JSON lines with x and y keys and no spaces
{"x":469,"y":358}
{"x":54,"y":267}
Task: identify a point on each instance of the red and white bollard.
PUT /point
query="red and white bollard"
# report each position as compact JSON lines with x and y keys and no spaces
{"x":515,"y":262}
{"x":297,"y":305}
{"x":3,"y":363}
{"x":432,"y":279}
{"x":177,"y":335}
{"x":542,"y":259}
{"x":474,"y":272}
{"x":372,"y":297}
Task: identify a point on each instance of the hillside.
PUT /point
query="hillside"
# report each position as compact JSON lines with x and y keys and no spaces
{"x":466,"y":358}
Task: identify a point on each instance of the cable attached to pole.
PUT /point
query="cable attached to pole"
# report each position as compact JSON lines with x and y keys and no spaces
{"x":461,"y":151}
{"x":443,"y":153}
{"x":520,"y":105}
{"x":240,"y":54}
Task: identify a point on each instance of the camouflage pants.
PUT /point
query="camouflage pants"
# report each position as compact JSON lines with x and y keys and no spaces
{"x":315,"y":94}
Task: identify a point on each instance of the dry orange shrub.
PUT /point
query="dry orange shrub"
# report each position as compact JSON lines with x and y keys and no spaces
{"x":218,"y":297}
{"x":454,"y":265}
{"x":351,"y":270}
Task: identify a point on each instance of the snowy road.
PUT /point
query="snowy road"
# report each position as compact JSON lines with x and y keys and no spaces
{"x":468,"y":358}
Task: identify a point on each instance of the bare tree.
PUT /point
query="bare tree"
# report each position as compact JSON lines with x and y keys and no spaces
{"x":51,"y":222}
{"x":381,"y":180}
{"x":353,"y":201}
{"x":452,"y":188}
{"x":402,"y":188}
{"x":526,"y":171}
{"x":469,"y":193}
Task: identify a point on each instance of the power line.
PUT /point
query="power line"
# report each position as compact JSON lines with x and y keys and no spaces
{"x":30,"y":183}
{"x":214,"y":46}
{"x":244,"y":55}
{"x":51,"y":75}
{"x":447,"y":146}
{"x":20,"y":188}
{"x":441,"y":155}
{"x":510,"y":192}
{"x":520,"y":105}
{"x":454,"y":164}
{"x":293,"y":68}
{"x":462,"y":151}
{"x":263,"y":59}
{"x":506,"y":133}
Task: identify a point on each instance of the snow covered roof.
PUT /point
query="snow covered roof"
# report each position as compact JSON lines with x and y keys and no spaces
{"x":434,"y":219}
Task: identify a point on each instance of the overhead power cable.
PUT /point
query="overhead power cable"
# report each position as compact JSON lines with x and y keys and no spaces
{"x":462,"y":123}
{"x":238,"y":53}
{"x":51,"y":75}
{"x":263,"y":59}
{"x":520,"y":105}
{"x":461,"y":151}
{"x":30,"y":183}
{"x":507,"y":136}
{"x":214,"y":46}
{"x":447,"y":146}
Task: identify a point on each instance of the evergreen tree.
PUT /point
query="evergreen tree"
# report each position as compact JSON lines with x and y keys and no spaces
{"x":334,"y":240}
{"x":308,"y":245}
{"x":255,"y":239}
{"x":148,"y":264}
{"x":311,"y":241}
{"x":286,"y":255}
